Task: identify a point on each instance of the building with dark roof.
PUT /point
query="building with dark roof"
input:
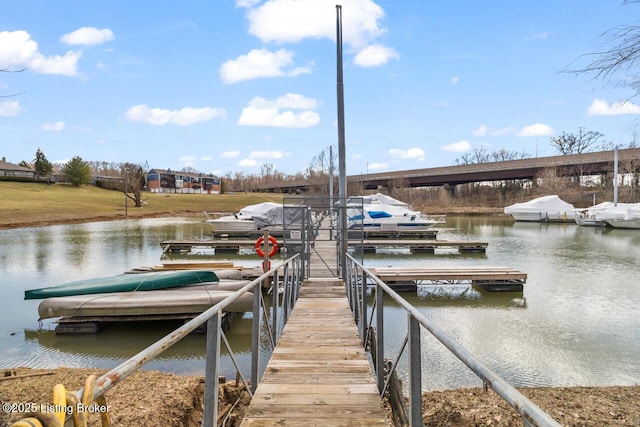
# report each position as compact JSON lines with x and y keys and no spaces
{"x":168,"y":181}
{"x":10,"y":171}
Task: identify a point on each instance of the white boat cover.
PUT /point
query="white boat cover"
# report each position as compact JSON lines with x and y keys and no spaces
{"x":269,"y":213}
{"x":552,"y":205}
{"x":622,"y":212}
{"x":377,"y":198}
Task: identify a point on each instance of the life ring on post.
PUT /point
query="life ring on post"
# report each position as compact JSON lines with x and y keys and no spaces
{"x":274,"y":246}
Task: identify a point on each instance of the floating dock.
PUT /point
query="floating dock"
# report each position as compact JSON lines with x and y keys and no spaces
{"x":424,"y":246}
{"x":492,"y":279}
{"x":419,"y":246}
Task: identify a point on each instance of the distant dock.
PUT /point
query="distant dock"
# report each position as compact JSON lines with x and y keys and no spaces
{"x":424,"y":246}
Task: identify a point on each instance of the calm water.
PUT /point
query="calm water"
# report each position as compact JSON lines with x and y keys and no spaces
{"x":576,"y":323}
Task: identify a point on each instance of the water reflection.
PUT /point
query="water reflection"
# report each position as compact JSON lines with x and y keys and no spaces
{"x":576,"y":323}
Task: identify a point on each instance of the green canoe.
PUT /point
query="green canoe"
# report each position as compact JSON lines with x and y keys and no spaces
{"x":125,"y":283}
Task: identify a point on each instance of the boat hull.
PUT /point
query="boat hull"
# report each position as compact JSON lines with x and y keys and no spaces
{"x":185,"y":300}
{"x":621,"y":223}
{"x":124,"y":283}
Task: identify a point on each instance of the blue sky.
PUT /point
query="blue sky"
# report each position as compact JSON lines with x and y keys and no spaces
{"x":228,"y":86}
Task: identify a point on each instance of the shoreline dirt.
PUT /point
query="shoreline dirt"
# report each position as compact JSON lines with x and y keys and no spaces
{"x":178,"y":401}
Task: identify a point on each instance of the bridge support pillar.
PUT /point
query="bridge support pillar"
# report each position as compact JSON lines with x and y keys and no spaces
{"x":450,"y":188}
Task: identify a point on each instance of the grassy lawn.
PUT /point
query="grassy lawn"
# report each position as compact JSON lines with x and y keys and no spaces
{"x":26,"y":204}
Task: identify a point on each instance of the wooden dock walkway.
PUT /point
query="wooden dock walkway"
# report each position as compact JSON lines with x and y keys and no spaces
{"x":319,"y":374}
{"x":324,"y":254}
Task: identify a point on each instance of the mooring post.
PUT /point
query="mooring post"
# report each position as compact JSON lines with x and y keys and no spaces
{"x":380,"y":336}
{"x":212,"y":367}
{"x":415,"y":373}
{"x":255,"y":337}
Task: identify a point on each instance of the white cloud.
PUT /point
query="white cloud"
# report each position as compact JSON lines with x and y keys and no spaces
{"x":248,"y":163}
{"x":538,"y":36}
{"x":247,"y":3}
{"x":187,"y":116}
{"x":9,"y":108}
{"x":18,"y":50}
{"x":457,"y":147}
{"x":88,"y":36}
{"x":262,"y":112}
{"x":187,"y":161}
{"x":484,"y":130}
{"x":230,"y":154}
{"x":53,"y":127}
{"x":454,"y":80}
{"x":273,"y":154}
{"x":412,"y":153}
{"x":536,"y":129}
{"x":600,"y":107}
{"x":286,"y":21}
{"x":374,"y":55}
{"x":260,"y":63}
{"x":377,"y":166}
{"x":66,"y":65}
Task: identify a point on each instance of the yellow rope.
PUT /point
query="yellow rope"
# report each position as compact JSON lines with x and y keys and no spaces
{"x":67,"y":403}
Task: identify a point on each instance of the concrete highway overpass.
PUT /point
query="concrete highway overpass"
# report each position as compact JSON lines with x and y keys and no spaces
{"x":593,"y":163}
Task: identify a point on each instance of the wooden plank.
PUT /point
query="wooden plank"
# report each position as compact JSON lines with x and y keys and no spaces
{"x":319,"y":373}
{"x":323,"y":421}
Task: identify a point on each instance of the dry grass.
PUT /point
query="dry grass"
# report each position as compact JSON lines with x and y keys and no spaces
{"x":31,"y":204}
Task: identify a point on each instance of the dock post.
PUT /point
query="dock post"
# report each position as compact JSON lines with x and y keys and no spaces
{"x":415,"y":373}
{"x":212,"y":367}
{"x":380,"y":337}
{"x":255,"y":338}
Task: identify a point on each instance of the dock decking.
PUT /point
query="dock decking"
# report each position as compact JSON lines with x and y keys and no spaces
{"x":486,"y":277}
{"x":319,"y":374}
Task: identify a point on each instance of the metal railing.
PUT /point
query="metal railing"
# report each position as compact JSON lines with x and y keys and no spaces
{"x":357,"y":279}
{"x":285,"y":293}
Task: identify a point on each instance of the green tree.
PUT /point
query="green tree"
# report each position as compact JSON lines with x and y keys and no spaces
{"x":42,"y":166}
{"x":77,"y":171}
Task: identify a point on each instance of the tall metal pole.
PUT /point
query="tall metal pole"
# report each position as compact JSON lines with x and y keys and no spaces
{"x":331,"y":167}
{"x":126,"y":191}
{"x":615,"y":177}
{"x":342,"y":180}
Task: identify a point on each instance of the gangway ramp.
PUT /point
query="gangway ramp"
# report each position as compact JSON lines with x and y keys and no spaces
{"x":319,"y":374}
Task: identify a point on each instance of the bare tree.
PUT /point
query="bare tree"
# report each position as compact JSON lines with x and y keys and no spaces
{"x":618,"y":58}
{"x":503,"y":155}
{"x":134,"y":180}
{"x":550,"y":181}
{"x":570,"y":143}
{"x":8,"y":70}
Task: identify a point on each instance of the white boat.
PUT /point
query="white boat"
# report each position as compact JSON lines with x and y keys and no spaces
{"x":625,"y":215}
{"x":261,"y":216}
{"x":380,"y":212}
{"x":223,"y":222}
{"x":591,"y":215}
{"x":542,"y":209}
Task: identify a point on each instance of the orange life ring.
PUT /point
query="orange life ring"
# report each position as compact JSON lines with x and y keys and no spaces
{"x":274,"y":246}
